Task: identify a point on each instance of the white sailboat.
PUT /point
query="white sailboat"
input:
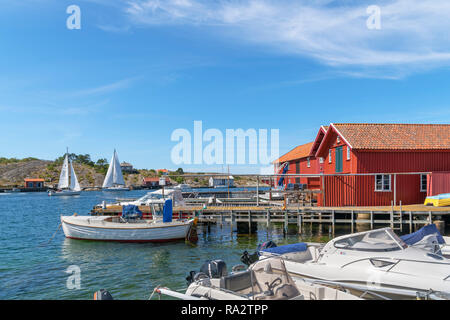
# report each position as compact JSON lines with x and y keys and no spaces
{"x":68,"y":183}
{"x":114,"y":179}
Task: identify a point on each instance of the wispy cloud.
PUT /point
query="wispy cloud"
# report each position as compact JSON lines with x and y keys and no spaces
{"x":413,"y":36}
{"x":107,"y":88}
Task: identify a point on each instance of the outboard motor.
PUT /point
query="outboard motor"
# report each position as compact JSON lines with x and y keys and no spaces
{"x":103,"y":294}
{"x":248,"y":259}
{"x":214,"y":269}
{"x":266,"y":245}
{"x":210,"y":269}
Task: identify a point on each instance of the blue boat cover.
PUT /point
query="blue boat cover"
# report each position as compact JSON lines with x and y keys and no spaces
{"x":415,"y":237}
{"x":440,"y":196}
{"x":167,"y":211}
{"x":296,"y":247}
{"x":131,"y":212}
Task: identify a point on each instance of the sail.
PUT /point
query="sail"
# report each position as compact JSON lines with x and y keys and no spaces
{"x":74,"y":185}
{"x":64,"y":177}
{"x":118,"y":177}
{"x":108,"y":182}
{"x":114,"y":175}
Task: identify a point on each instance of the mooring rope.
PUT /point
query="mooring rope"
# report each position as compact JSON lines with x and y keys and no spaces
{"x":54,"y":234}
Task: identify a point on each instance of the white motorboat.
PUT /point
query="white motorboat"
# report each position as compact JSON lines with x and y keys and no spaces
{"x":114,"y":178}
{"x":266,"y":279}
{"x":429,"y":238}
{"x":68,"y":183}
{"x":377,"y":261}
{"x":150,"y":198}
{"x":130,"y":227}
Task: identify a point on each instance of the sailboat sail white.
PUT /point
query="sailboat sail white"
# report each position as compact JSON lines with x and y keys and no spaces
{"x":64,"y":176}
{"x":74,"y":185}
{"x":114,"y":178}
{"x":68,"y":183}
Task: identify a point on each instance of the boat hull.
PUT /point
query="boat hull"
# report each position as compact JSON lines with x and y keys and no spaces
{"x":64,"y":193}
{"x":116,"y":189}
{"x":142,"y":232}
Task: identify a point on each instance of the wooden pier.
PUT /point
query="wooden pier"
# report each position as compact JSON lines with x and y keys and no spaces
{"x":395,"y":217}
{"x":401,"y":218}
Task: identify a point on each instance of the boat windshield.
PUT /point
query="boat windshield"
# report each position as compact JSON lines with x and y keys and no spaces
{"x":374,"y":241}
{"x":151,"y":196}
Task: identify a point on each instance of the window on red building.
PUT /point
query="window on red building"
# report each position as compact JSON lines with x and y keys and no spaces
{"x":383,"y":182}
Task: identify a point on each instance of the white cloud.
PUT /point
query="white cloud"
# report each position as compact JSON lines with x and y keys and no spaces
{"x":414,"y":33}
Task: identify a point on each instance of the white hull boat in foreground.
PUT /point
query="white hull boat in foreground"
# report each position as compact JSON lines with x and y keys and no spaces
{"x":129,"y":227}
{"x":264,"y":280}
{"x":105,"y":228}
{"x":376,"y":261}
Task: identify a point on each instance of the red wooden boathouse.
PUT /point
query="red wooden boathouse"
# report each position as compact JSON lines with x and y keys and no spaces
{"x":365,"y":164}
{"x":372,"y":164}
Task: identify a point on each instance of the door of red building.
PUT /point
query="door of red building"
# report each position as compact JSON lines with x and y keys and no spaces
{"x":339,"y":164}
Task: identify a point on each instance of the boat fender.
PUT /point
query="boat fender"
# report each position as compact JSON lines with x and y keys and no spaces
{"x":103,"y":294}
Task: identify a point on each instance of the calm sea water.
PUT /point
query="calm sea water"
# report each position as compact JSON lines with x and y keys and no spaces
{"x":33,"y":267}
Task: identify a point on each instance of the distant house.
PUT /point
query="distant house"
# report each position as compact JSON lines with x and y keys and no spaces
{"x":34,"y":183}
{"x":126,"y":167}
{"x":221,"y":181}
{"x":163,"y":171}
{"x":153,"y":182}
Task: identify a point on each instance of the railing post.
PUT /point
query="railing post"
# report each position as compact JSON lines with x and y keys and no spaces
{"x":395,"y":189}
{"x":257,"y":191}
{"x":410,"y":222}
{"x":371,"y":219}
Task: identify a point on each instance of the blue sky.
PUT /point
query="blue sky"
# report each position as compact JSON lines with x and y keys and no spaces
{"x":139,"y":69}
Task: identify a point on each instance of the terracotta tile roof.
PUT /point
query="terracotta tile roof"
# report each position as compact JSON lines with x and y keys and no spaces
{"x":151,"y":179}
{"x":395,"y":136}
{"x":296,"y":153}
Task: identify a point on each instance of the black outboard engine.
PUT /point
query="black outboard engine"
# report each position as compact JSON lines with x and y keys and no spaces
{"x":214,"y":269}
{"x":210,"y":269}
{"x":248,"y":259}
{"x":266,"y":245}
{"x":103,"y":294}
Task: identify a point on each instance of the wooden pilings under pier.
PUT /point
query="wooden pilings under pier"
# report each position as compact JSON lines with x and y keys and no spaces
{"x":247,"y":219}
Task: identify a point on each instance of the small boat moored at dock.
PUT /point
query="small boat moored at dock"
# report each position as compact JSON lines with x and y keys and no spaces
{"x":129,"y":227}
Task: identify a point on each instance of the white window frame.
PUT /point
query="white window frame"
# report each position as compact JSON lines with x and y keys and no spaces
{"x":338,"y":139}
{"x":383,"y":181}
{"x":348,"y":153}
{"x":330,"y":156}
{"x":320,"y":159}
{"x":308,"y":162}
{"x":426,"y":184}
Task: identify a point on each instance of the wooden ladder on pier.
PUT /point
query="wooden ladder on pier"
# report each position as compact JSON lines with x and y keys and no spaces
{"x":396,"y":221}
